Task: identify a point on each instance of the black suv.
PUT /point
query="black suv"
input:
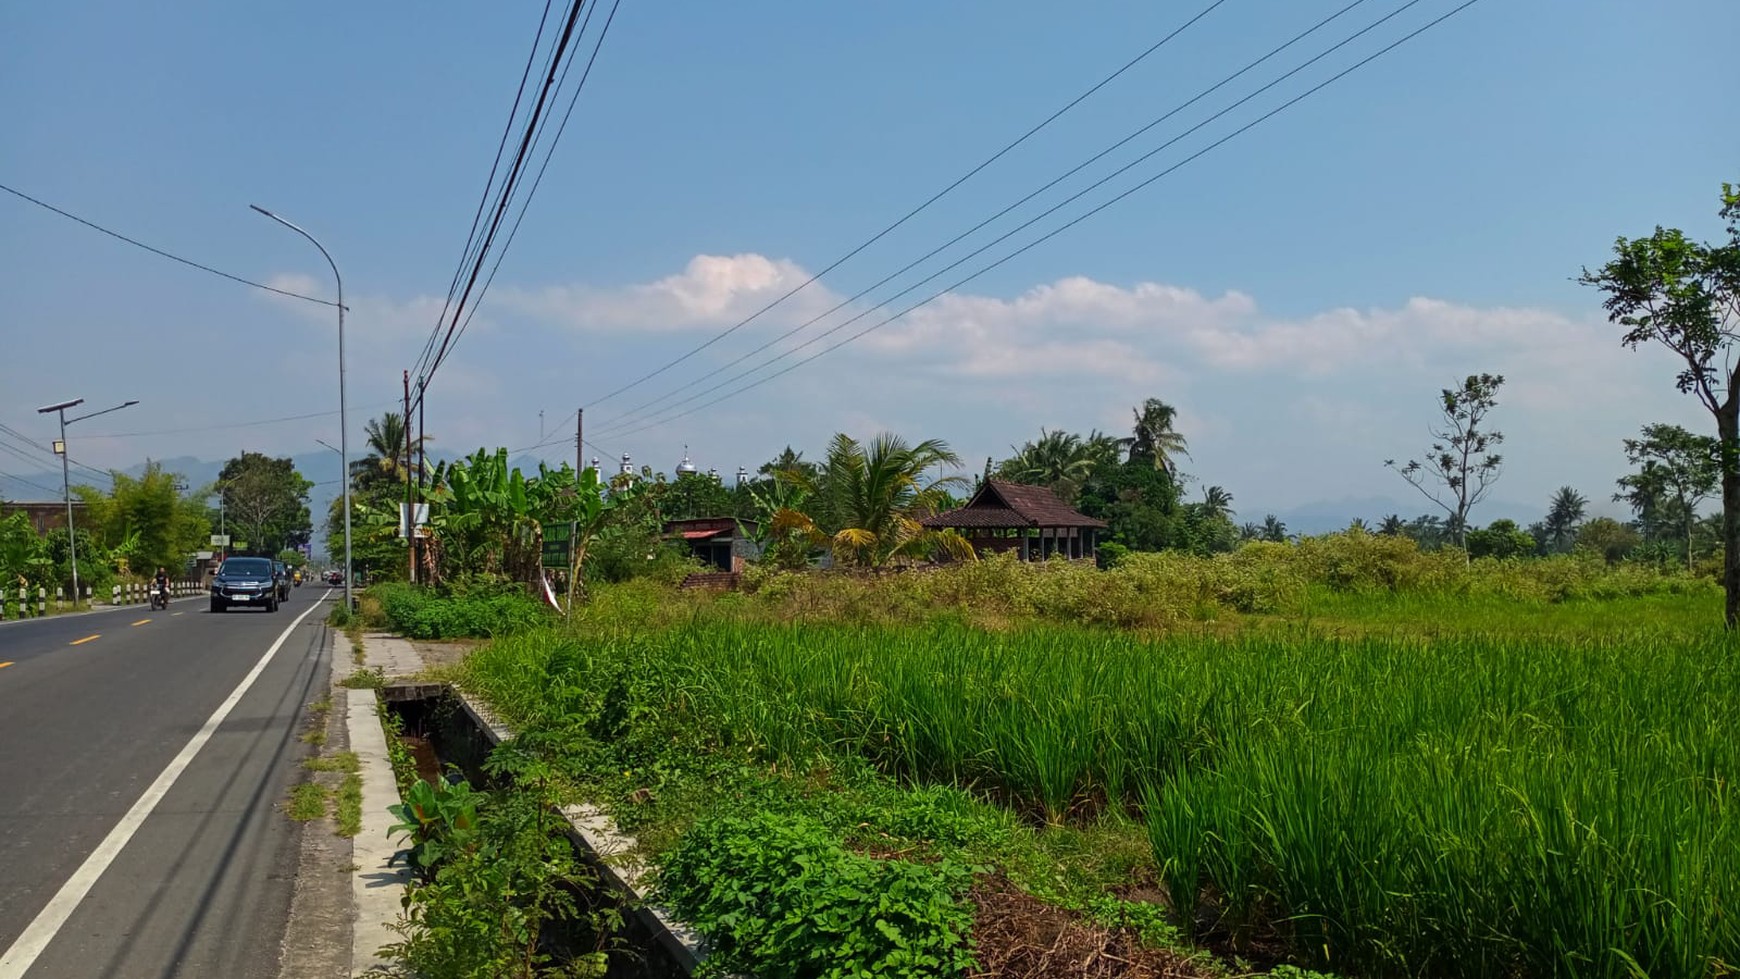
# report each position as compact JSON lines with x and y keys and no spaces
{"x":245,"y":581}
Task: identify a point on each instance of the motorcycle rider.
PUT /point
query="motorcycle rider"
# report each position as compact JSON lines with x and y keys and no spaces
{"x":161,"y":583}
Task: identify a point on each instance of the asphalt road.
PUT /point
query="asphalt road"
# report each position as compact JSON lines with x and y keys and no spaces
{"x":203,"y":886}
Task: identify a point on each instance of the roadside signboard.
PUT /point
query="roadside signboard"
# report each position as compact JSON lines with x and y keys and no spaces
{"x":220,"y":540}
{"x":558,"y":545}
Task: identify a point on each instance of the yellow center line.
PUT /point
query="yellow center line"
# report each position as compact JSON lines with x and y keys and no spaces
{"x":5,"y":664}
{"x":81,"y":642}
{"x":142,"y":621}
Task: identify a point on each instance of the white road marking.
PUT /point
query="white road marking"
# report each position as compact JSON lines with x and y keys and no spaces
{"x":48,"y":922}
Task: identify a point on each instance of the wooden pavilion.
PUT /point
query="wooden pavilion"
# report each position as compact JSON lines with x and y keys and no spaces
{"x":1028,"y":520}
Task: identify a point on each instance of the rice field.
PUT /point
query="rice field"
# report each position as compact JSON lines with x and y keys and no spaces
{"x":1462,"y":805}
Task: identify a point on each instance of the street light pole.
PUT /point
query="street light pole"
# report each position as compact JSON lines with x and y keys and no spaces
{"x":343,"y":429}
{"x":72,"y":545}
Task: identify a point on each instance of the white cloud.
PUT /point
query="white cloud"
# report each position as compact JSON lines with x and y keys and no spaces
{"x":712,"y":291}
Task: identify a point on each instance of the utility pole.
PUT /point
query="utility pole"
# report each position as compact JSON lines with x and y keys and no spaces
{"x":410,"y":507}
{"x":579,"y":441}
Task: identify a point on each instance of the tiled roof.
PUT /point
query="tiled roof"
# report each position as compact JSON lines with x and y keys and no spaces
{"x":999,"y":504}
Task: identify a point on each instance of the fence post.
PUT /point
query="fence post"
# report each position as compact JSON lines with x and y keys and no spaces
{"x":60,"y":598}
{"x":41,"y":600}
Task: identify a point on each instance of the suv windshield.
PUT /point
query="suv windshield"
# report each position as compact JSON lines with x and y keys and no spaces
{"x":246,"y":566}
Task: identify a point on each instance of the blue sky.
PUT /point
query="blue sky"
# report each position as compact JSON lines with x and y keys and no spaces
{"x":1300,"y":292}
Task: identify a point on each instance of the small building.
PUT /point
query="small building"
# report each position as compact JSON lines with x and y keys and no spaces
{"x":44,"y":515}
{"x":1028,"y":520}
{"x":716,"y":541}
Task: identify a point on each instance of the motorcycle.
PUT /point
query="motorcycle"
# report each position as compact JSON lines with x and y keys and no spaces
{"x":159,"y":597}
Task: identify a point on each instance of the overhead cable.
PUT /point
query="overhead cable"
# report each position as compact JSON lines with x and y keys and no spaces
{"x":939,"y":195}
{"x":160,"y":252}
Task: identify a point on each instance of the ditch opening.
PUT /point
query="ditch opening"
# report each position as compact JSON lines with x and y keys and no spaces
{"x":447,"y":743}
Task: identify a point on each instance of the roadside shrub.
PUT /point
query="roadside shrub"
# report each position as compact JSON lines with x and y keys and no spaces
{"x":780,"y":898}
{"x":480,"y":611}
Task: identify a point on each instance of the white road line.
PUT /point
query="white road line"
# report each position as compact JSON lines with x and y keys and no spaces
{"x":48,"y":922}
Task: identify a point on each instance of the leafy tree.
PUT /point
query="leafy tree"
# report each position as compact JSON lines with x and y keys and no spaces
{"x":1685,"y":295}
{"x":875,"y":495}
{"x":1608,"y":538}
{"x":693,"y":495}
{"x":1677,"y":470}
{"x":1564,"y":512}
{"x":1393,"y":525}
{"x":1274,"y":530}
{"x":1249,"y":531}
{"x":1500,"y":539}
{"x":1155,"y":441}
{"x":791,"y":463}
{"x":265,"y":502}
{"x":1428,"y":532}
{"x":1462,"y":457}
{"x":164,"y":526}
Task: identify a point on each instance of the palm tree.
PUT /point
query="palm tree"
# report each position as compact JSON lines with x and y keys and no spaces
{"x":875,"y":497}
{"x":1061,"y":461}
{"x":1249,"y":531}
{"x":389,"y":458}
{"x":1274,"y":529}
{"x":1155,"y":439}
{"x":1217,"y":503}
{"x":1358,"y":524}
{"x":1393,"y":526}
{"x":1566,"y":510}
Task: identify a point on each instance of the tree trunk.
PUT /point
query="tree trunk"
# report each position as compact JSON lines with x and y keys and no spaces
{"x":1728,"y":427}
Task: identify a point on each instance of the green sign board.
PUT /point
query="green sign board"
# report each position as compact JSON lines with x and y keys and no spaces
{"x":558,"y":545}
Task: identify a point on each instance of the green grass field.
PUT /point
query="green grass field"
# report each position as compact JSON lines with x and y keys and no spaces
{"x":1394,"y":783}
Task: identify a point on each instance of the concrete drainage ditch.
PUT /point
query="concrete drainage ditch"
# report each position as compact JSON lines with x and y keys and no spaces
{"x":444,"y":728}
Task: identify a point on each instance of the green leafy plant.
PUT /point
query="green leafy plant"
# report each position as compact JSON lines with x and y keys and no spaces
{"x":780,"y":897}
{"x":494,"y":892}
{"x":440,"y":821}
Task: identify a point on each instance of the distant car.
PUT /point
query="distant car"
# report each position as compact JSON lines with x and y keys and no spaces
{"x":244,"y":581}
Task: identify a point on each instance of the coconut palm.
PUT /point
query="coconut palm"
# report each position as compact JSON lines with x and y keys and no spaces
{"x":1217,"y":503}
{"x":1274,"y":529}
{"x":1061,"y":461}
{"x":1155,"y":439}
{"x":389,"y":458}
{"x":1566,"y":510}
{"x":873,"y":497}
{"x":1393,"y":525}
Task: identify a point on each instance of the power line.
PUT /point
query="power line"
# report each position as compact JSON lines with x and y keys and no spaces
{"x":483,"y":199}
{"x":1077,"y":220}
{"x":230,"y":425}
{"x":21,"y":479}
{"x":509,"y":183}
{"x":526,"y":202}
{"x":686,"y":388}
{"x":617,"y":425}
{"x":160,"y":252}
{"x":939,"y":195}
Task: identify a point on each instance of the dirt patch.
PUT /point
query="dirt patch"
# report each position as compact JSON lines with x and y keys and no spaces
{"x":1019,"y":937}
{"x":450,"y":652}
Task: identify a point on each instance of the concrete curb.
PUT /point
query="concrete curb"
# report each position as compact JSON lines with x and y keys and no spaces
{"x":377,"y":885}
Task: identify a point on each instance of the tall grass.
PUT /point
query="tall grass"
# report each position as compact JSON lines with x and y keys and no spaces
{"x":1457,"y":806}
